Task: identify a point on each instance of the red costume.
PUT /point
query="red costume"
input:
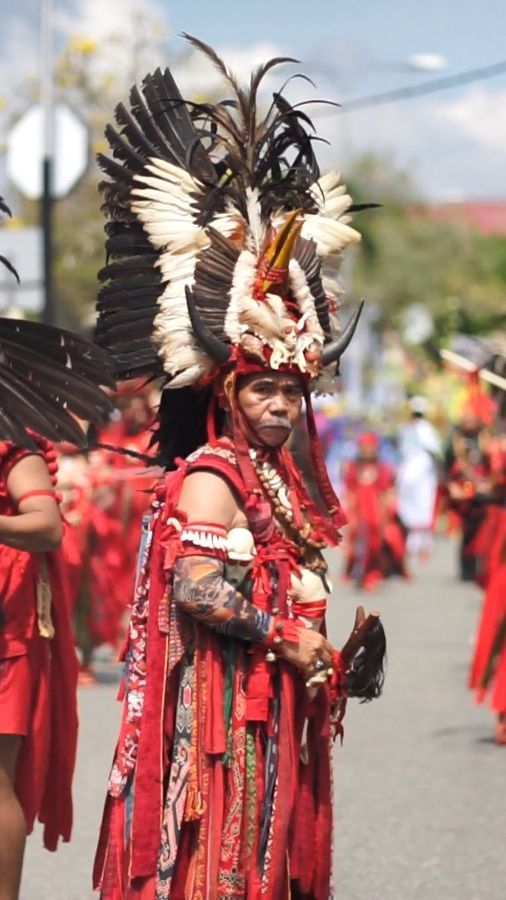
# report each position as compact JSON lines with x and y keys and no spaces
{"x":221,"y":782}
{"x":104,"y":499}
{"x":488,"y":668}
{"x":376,"y":541}
{"x":218,"y":755}
{"x":38,"y":671}
{"x":120,"y":497}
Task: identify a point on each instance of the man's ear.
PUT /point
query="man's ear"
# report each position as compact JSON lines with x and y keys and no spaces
{"x":222,"y":401}
{"x":225,"y":392}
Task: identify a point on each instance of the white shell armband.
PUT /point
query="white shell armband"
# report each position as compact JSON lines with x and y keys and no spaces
{"x":205,"y":536}
{"x":240,"y":553}
{"x":240,"y":545}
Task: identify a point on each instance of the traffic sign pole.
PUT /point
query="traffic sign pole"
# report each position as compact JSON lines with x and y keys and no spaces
{"x":46,"y":209}
{"x":48,"y":310}
{"x":47,"y":153}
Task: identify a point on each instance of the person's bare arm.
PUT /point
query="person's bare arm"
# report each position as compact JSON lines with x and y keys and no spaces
{"x":37,"y":527}
{"x":206,"y":497}
{"x":201,"y":589}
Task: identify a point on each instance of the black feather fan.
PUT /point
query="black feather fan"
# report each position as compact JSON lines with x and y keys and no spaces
{"x":48,"y":377}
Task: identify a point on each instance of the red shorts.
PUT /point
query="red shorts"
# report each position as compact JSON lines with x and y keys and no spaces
{"x":15,"y":695}
{"x":23,"y":683}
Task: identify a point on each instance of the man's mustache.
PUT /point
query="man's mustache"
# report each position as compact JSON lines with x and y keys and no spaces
{"x":277,"y":422}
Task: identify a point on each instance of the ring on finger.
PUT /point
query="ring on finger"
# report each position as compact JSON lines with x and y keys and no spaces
{"x":319,"y":665}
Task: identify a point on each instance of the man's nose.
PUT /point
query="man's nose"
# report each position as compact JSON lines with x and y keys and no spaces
{"x":279,"y":403}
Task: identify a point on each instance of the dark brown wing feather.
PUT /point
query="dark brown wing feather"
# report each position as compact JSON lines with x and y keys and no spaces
{"x":158,"y":124}
{"x":48,"y":377}
{"x":306,"y":255}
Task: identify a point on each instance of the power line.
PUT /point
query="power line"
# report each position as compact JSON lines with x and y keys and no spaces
{"x":429,"y":87}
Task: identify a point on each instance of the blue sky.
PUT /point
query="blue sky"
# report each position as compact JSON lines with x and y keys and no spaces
{"x":454,"y":143}
{"x":470,"y":33}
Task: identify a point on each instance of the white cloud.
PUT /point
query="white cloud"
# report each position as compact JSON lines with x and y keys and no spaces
{"x":196,"y":74}
{"x":478,"y":114}
{"x":451,"y":147}
{"x":100,"y":21}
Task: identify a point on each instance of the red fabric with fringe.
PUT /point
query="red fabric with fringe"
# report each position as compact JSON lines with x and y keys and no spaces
{"x":489,"y":658}
{"x":208,"y":863}
{"x":376,"y":543}
{"x":46,"y":764}
{"x":46,"y":761}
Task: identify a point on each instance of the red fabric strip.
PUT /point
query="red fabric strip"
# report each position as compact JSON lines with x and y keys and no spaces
{"x":48,"y":493}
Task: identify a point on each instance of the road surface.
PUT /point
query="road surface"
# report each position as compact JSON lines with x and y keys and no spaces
{"x":420,"y":787}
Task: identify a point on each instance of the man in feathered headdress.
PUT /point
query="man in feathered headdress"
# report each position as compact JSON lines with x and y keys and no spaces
{"x":220,"y":235}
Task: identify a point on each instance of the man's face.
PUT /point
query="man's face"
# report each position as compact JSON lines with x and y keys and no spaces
{"x":271,"y":405}
{"x":469,"y":423}
{"x":368,"y":452}
{"x":135,"y":414}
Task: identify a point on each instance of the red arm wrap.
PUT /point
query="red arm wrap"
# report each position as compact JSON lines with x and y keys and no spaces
{"x":41,"y":493}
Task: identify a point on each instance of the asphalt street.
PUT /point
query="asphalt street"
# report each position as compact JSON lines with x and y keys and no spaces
{"x":420,"y":786}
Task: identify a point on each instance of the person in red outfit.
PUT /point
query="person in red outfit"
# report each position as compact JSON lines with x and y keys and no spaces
{"x":376,"y":540}
{"x":121,"y":497}
{"x":75,"y":488}
{"x":487,"y":676}
{"x":475,"y":486}
{"x":38,"y":666}
{"x":118,"y":495}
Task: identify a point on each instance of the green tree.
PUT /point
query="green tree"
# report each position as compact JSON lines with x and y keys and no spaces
{"x":407,"y":257}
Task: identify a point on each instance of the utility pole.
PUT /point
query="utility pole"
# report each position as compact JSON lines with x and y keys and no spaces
{"x":46,"y":209}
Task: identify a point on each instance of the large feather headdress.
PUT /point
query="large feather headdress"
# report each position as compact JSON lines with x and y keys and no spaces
{"x":222,"y":237}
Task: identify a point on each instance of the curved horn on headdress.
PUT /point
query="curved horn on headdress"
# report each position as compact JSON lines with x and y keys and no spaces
{"x":279,"y":252}
{"x":332,"y":352}
{"x":216,"y":349}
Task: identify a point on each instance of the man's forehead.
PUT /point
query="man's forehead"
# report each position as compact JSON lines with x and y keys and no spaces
{"x":277,"y":378}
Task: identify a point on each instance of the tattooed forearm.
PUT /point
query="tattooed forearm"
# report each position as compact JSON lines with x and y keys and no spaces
{"x":202,"y":591}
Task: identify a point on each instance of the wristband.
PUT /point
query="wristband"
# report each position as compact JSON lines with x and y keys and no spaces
{"x":281,"y":630}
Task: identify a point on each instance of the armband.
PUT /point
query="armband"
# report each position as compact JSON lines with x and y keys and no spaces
{"x":205,"y":536}
{"x":41,"y":493}
{"x":281,"y":630}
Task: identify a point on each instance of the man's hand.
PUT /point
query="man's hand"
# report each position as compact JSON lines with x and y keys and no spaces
{"x":311,"y":648}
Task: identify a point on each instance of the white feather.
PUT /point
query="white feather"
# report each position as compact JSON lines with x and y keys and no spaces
{"x":176,"y":173}
{"x":329,"y":236}
{"x":256,"y":227}
{"x":329,"y":229}
{"x":242,"y":286}
{"x":266,"y":318}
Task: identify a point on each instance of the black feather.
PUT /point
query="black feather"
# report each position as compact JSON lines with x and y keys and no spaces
{"x":8,"y":265}
{"x":306,"y":255}
{"x":4,"y":208}
{"x":229,"y":149}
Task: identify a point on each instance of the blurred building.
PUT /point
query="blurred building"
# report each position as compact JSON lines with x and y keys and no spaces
{"x":486,"y":216}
